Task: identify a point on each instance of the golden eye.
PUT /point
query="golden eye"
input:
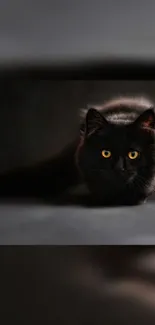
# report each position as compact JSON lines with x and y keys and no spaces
{"x":106,"y":153}
{"x":133,"y":154}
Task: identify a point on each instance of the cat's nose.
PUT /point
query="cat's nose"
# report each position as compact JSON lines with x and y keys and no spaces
{"x":120,"y":165}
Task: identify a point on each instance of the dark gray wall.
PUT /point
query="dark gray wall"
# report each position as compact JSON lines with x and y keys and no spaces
{"x":38,"y":118}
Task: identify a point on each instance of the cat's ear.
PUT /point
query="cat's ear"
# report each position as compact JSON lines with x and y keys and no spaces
{"x":94,"y":120}
{"x":146,"y":119}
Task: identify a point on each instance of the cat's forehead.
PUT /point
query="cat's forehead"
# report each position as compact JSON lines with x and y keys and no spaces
{"x":114,"y":130}
{"x":122,"y":136}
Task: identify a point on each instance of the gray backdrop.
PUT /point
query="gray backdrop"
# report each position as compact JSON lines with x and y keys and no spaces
{"x":73,"y":30}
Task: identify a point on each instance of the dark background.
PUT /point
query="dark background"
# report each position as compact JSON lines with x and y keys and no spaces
{"x":39,"y":117}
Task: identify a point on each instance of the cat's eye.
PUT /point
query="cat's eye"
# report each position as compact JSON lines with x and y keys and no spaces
{"x":133,"y":154}
{"x":106,"y":153}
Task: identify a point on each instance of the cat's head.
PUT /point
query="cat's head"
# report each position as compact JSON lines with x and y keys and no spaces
{"x":119,"y":154}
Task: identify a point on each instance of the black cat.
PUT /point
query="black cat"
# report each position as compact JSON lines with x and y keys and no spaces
{"x":114,"y":156}
{"x":117,"y":152}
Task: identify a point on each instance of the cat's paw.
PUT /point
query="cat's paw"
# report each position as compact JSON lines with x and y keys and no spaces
{"x":136,"y":202}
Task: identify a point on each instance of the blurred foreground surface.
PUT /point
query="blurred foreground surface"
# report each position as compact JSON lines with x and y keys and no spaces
{"x":77,"y":285}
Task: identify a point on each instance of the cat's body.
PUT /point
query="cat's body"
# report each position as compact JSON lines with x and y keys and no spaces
{"x":114,"y":156}
{"x":47,"y":180}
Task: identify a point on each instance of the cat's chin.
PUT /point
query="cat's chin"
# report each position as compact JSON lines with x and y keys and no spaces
{"x":114,"y":204}
{"x":93,"y":202}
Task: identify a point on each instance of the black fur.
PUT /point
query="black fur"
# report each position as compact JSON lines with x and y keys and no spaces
{"x":46,"y":180}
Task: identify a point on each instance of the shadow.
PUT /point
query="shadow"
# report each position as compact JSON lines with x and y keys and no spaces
{"x":76,"y":200}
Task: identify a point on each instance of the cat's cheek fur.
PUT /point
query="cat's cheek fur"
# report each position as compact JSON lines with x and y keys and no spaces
{"x":101,"y":192}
